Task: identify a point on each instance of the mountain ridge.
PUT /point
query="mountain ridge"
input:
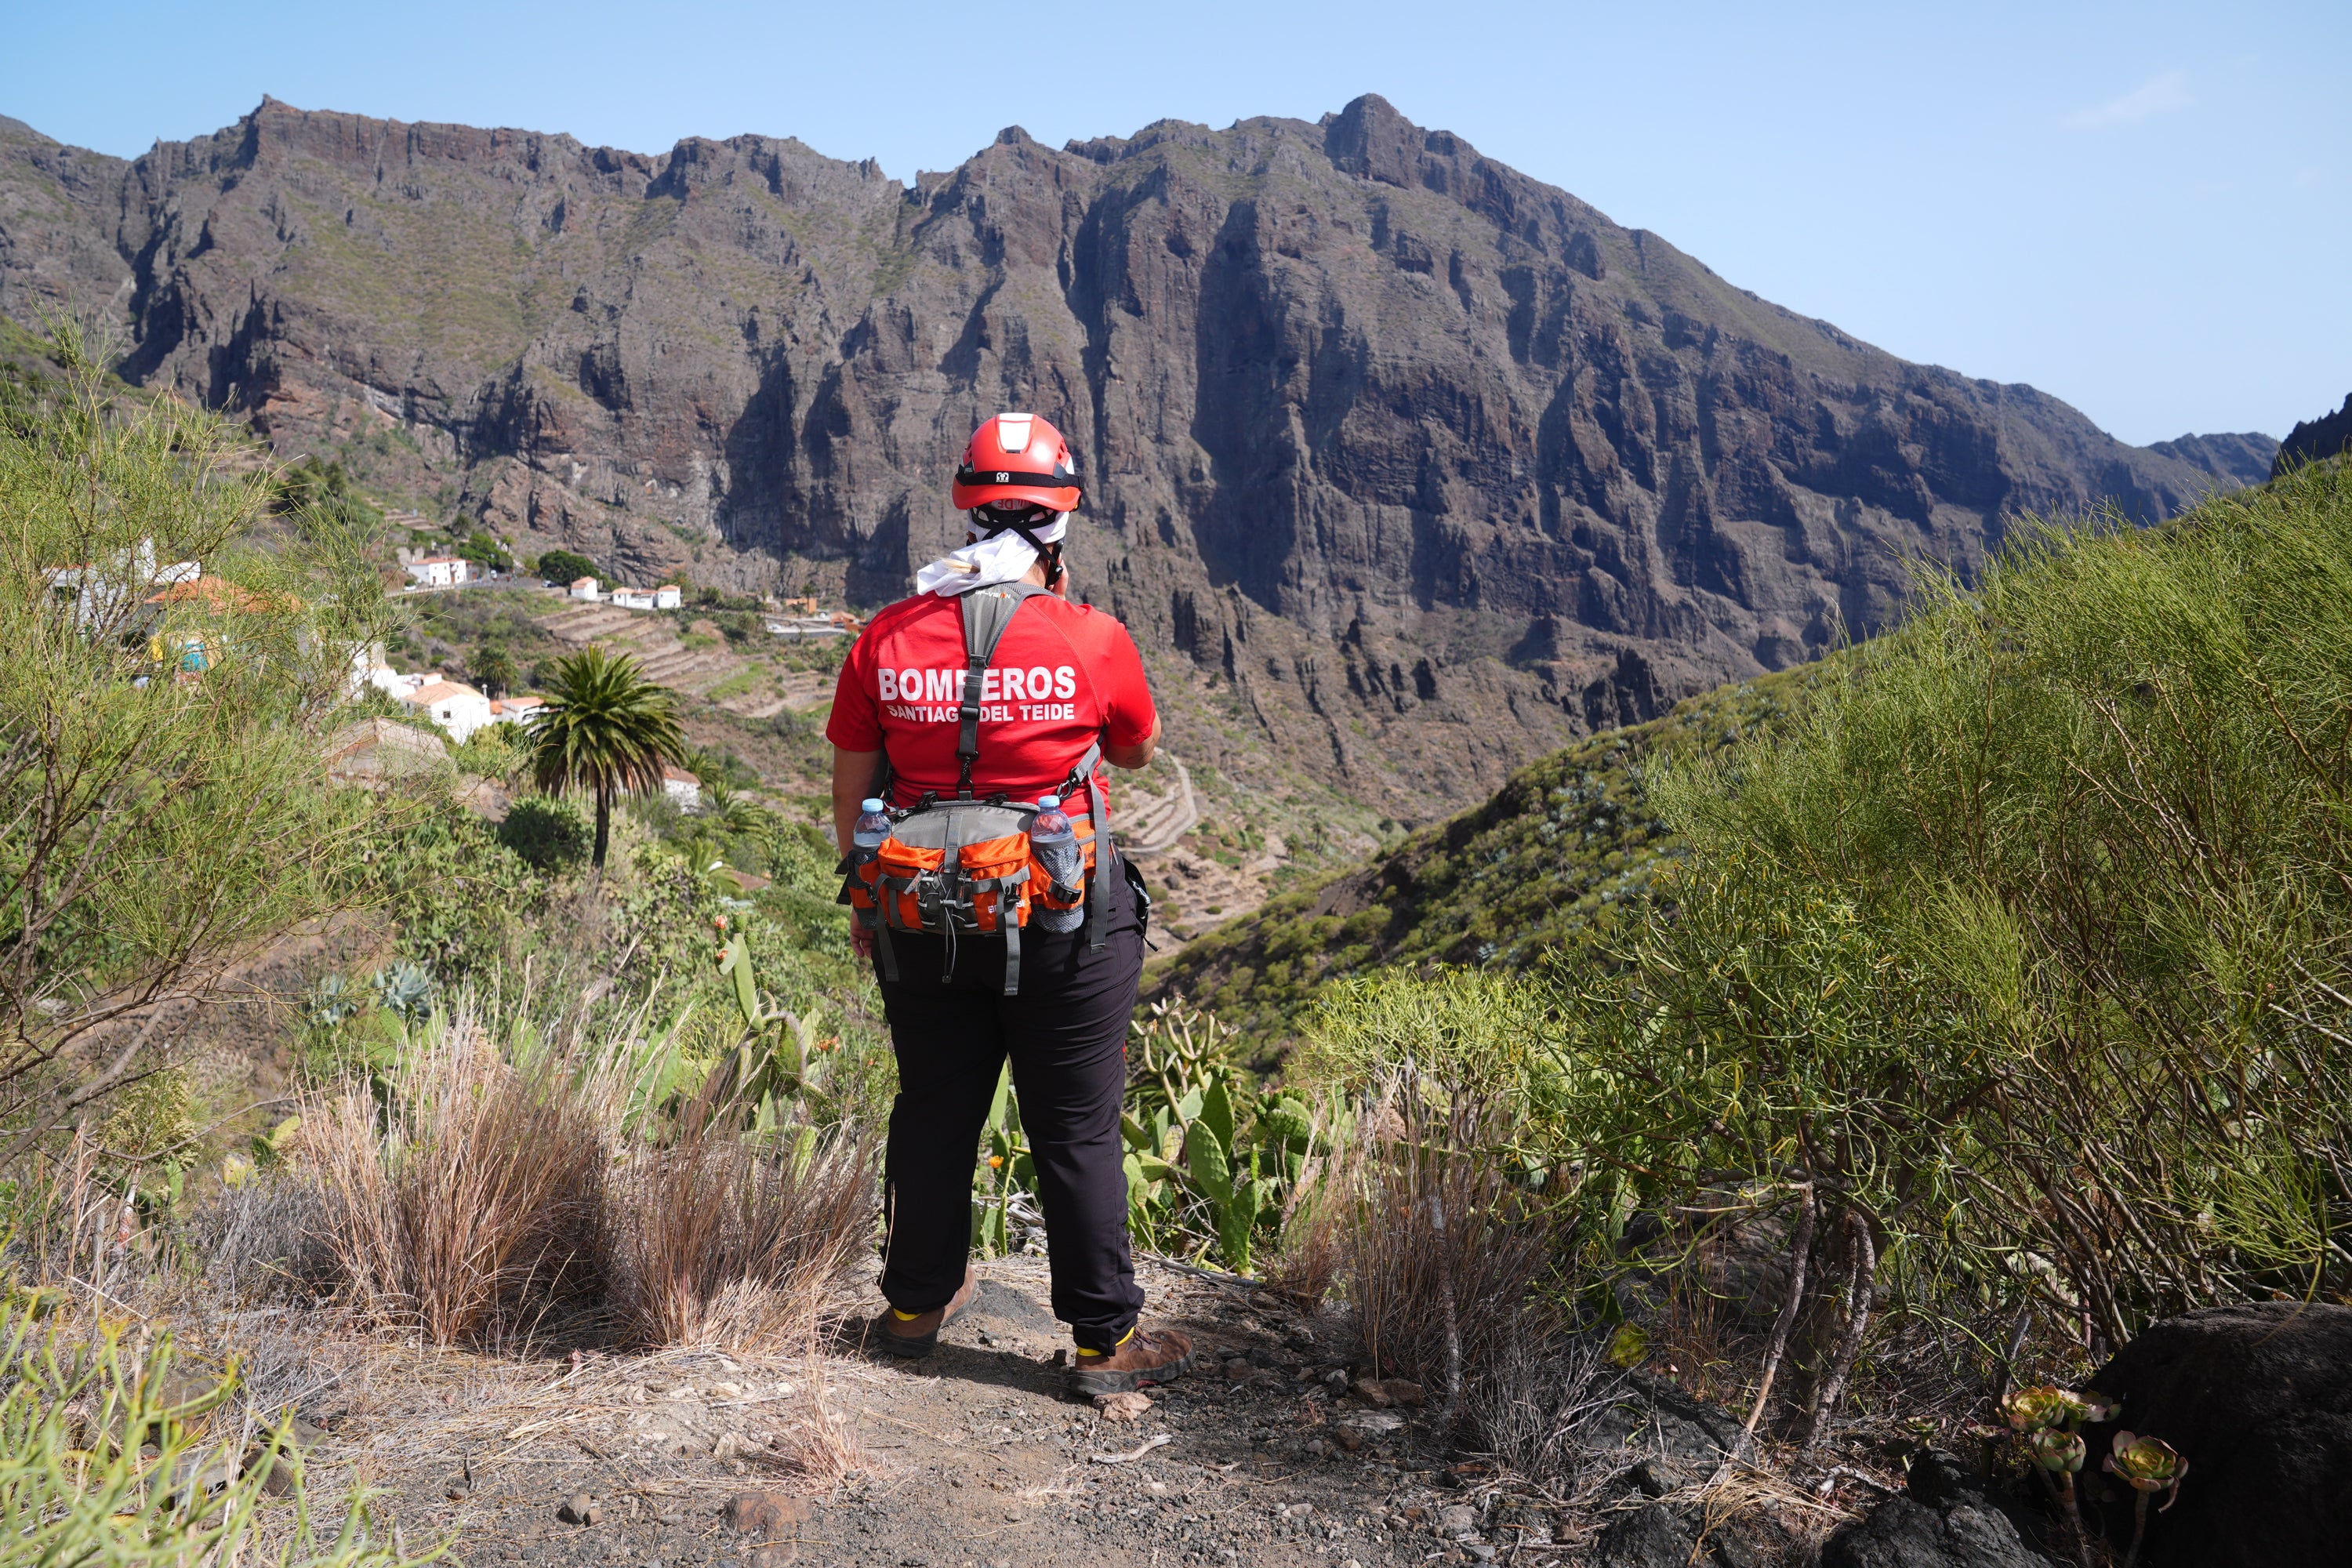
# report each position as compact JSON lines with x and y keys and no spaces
{"x":1405,"y":466}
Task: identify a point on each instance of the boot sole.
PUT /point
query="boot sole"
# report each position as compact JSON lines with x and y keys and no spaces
{"x":912,"y":1348}
{"x":1095,"y":1384}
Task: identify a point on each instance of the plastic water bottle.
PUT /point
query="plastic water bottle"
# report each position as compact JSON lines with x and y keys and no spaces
{"x":1056,"y":844}
{"x":873,"y":827}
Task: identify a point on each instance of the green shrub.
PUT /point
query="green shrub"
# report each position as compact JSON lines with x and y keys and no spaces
{"x":551,"y":835}
{"x":2011,"y":970}
{"x":160,"y":775}
{"x":565,"y":566}
{"x":2025,"y":945}
{"x":76,"y":1485}
{"x":500,"y":752}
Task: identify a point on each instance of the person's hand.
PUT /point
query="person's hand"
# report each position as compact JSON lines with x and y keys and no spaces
{"x":861,"y":939}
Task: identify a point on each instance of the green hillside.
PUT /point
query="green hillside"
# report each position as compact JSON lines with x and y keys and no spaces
{"x":1555,"y":857}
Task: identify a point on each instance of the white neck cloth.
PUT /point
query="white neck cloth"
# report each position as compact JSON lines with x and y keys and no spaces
{"x":1003,"y":557}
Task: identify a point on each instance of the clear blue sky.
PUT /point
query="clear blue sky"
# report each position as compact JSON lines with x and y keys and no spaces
{"x":2145,"y":209}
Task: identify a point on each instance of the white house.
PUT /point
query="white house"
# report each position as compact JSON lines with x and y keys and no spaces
{"x":439,"y":571}
{"x":523,"y":710}
{"x":456,"y":707}
{"x":682,"y":787}
{"x":665,"y":597}
{"x":99,"y":591}
{"x":796,"y":628}
{"x":585,"y":588}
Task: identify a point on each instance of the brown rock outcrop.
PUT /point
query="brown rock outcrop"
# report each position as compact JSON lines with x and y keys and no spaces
{"x":1398,"y":460}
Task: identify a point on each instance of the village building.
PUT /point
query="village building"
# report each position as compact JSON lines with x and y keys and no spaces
{"x":455,"y":707}
{"x":584,"y":589}
{"x":797,"y":629}
{"x":440,"y":572}
{"x":96,"y":592}
{"x":665,"y":597}
{"x":191,"y":653}
{"x":523,"y":710}
{"x":681,"y":787}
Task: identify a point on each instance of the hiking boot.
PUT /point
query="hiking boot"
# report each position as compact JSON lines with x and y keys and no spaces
{"x":1159,"y":1355}
{"x":920,"y":1335}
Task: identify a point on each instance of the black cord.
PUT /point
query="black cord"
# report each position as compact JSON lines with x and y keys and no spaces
{"x":990,"y":522}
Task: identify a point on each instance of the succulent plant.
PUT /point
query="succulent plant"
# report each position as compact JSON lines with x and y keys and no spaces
{"x":2056,"y":1450}
{"x":778,"y":1073}
{"x":2036,"y":1408}
{"x":405,"y":989}
{"x":2148,"y":1463}
{"x":2045,"y":1415}
{"x":2088,"y":1405}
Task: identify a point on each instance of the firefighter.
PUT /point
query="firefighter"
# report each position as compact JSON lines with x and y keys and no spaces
{"x":1062,"y":694}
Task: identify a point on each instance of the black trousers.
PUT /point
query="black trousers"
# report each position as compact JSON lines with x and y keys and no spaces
{"x":1066,"y":1033}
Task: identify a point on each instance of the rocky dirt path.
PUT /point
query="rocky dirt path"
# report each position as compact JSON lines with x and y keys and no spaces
{"x":971,"y":1458}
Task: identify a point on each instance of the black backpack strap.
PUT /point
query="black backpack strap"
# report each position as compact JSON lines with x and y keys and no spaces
{"x":986,"y":613}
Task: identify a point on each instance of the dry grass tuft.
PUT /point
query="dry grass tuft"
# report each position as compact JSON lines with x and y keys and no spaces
{"x":823,"y":1445}
{"x":1528,"y":1402}
{"x":263,"y":1241}
{"x":69,"y":1225}
{"x":1313,"y":1232}
{"x":1441,"y":1249}
{"x":473,"y":1184}
{"x":722,"y":1239}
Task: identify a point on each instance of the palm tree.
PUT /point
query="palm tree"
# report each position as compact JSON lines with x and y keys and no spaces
{"x":702,"y":851}
{"x":492,"y":671}
{"x":606,"y":729}
{"x":731,"y":815}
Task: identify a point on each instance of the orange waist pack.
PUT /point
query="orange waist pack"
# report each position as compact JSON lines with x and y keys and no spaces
{"x":960,"y":867}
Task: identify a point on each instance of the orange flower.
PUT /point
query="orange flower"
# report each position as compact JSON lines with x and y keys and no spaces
{"x":995,"y":1161}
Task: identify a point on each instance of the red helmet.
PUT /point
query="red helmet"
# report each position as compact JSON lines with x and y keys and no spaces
{"x":1017,"y":457}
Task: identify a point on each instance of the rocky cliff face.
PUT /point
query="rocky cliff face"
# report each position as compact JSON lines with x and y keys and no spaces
{"x":2234,"y":460}
{"x":1400,"y":462}
{"x":2316,"y":440}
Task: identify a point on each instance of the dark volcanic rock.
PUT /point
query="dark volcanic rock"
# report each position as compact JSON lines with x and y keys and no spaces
{"x":2259,"y":1400}
{"x":1652,"y":1537}
{"x":2234,"y":460}
{"x":1658,"y":1536}
{"x":1425,"y":466}
{"x":2329,"y":435}
{"x":1664,"y":1433}
{"x":1946,"y":1520}
{"x":1901,"y":1533}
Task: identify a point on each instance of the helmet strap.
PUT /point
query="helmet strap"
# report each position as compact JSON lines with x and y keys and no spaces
{"x":1051,"y":554}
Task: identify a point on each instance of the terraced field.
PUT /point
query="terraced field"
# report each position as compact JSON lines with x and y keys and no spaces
{"x":715,"y":674}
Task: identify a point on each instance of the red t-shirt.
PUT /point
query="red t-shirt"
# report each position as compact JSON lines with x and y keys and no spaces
{"x":1064,"y":677}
